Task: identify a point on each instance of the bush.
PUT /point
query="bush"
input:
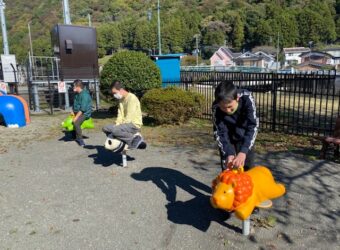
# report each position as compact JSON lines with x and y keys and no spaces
{"x":172,"y":105}
{"x":134,"y":69}
{"x":190,"y":61}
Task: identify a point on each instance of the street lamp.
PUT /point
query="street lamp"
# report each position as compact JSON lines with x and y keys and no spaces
{"x":197,"y":36}
{"x":66,"y":11}
{"x":159,"y":28}
{"x":3,"y":26}
{"x":30,"y":36}
{"x":149,"y":17}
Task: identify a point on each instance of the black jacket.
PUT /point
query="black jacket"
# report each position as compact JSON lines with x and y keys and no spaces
{"x":240,"y":127}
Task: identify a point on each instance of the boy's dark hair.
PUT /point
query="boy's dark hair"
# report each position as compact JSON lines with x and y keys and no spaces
{"x":117,"y":85}
{"x":225,"y":91}
{"x":78,"y":83}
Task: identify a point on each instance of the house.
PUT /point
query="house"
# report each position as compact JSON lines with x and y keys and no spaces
{"x":315,"y":60}
{"x":335,"y":53}
{"x":258,"y":59}
{"x":224,"y":56}
{"x":292,"y":55}
{"x":316,"y":57}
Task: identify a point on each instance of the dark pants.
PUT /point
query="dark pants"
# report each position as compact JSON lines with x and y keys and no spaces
{"x":123,"y":132}
{"x":77,"y":124}
{"x":249,"y":162}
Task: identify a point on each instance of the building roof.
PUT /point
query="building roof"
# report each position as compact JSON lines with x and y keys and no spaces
{"x":225,"y":51}
{"x":167,"y":56}
{"x":316,"y":53}
{"x":332,"y":49}
{"x":265,"y":55}
{"x":296,"y":50}
{"x":257,"y":56}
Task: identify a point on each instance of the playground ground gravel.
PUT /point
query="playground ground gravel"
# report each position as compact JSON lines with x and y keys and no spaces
{"x":56,"y":195}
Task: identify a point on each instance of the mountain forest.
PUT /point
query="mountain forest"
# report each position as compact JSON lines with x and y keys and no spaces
{"x":132,"y":24}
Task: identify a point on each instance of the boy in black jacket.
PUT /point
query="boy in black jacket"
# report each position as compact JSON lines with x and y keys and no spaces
{"x":235,"y":125}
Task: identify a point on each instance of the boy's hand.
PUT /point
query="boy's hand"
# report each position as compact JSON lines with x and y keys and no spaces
{"x":230,"y":158}
{"x":239,"y":160}
{"x":229,"y":161}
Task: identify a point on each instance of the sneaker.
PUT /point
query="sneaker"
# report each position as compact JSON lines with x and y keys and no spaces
{"x":136,"y":142}
{"x":142,"y":145}
{"x":80,"y":142}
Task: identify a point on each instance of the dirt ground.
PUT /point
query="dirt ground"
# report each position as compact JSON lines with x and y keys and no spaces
{"x":56,"y":195}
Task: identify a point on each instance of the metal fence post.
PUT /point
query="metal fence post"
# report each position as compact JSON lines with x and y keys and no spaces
{"x":274,"y":97}
{"x":51,"y":94}
{"x":36,"y":97}
{"x":96,"y":86}
{"x":67,"y":99}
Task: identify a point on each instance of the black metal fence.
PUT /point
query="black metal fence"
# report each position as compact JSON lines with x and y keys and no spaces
{"x":304,"y":104}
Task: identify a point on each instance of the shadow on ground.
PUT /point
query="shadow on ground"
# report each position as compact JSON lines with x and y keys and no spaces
{"x":106,"y":158}
{"x":196,"y":212}
{"x":305,"y":178}
{"x":104,"y":114}
{"x":69,"y":137}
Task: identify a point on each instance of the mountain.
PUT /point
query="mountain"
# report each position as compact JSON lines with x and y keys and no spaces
{"x":242,"y":24}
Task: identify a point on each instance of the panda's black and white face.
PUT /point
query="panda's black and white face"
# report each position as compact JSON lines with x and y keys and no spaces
{"x":114,"y":145}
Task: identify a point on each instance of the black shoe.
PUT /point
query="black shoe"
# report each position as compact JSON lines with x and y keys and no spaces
{"x":142,"y":145}
{"x":80,"y":142}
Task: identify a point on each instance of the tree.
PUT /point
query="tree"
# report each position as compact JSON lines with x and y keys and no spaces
{"x":316,"y":23}
{"x":109,"y":38}
{"x":145,"y":36}
{"x":173,"y":35}
{"x":135,"y":70}
{"x":237,"y":34}
{"x":288,"y":29}
{"x":42,"y":47}
{"x":215,"y":33}
{"x":191,"y":22}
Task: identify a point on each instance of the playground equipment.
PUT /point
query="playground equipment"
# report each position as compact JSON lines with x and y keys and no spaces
{"x":241,"y":192}
{"x":14,"y":111}
{"x":67,"y":124}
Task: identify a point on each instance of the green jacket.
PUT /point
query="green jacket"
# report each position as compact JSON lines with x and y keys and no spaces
{"x":83,"y":103}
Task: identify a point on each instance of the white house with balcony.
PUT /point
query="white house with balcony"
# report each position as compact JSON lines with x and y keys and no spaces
{"x":292,"y":55}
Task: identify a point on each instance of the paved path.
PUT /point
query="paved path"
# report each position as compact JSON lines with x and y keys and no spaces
{"x":56,"y":195}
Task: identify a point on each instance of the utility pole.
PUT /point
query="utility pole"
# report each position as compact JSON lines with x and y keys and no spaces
{"x":30,"y":37}
{"x":66,"y":8}
{"x":4,"y":28}
{"x":90,"y":20}
{"x":159,"y":29}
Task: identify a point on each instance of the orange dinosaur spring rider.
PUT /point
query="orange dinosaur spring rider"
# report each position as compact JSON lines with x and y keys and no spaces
{"x":235,"y":190}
